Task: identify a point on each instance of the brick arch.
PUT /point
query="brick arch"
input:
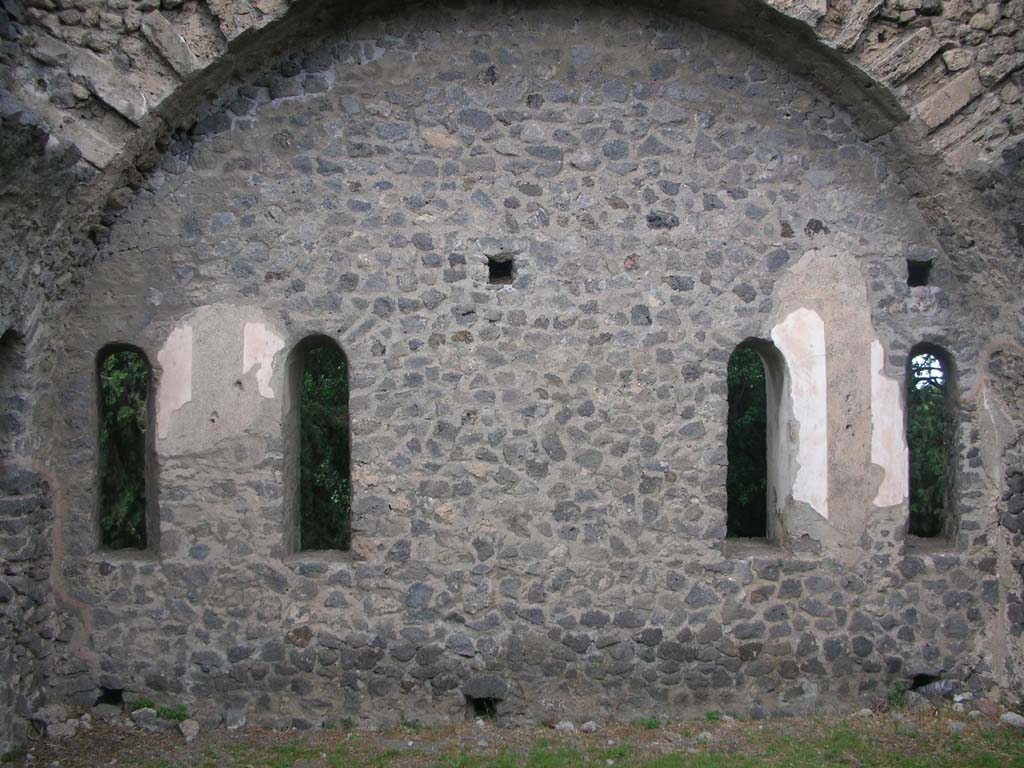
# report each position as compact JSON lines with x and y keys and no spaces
{"x":184,"y":54}
{"x":882,"y":67}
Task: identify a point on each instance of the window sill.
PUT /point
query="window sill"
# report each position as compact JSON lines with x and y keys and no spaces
{"x":315,"y":562}
{"x":126,"y":556}
{"x":744,"y":549}
{"x":937,"y":545}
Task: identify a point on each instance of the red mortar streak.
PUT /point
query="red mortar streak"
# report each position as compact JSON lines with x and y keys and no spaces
{"x":60,"y":592}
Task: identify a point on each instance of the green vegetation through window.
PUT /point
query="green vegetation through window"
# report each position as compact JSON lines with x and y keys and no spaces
{"x":325,"y":486}
{"x":124,"y":377}
{"x":747,"y":444}
{"x":928,"y":441}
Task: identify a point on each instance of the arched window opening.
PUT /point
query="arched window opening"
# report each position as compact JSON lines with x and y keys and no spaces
{"x":319,"y":377}
{"x":747,"y":443}
{"x":125,"y":500}
{"x":930,"y":430}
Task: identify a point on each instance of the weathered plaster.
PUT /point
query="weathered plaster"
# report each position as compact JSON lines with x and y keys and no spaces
{"x":801,"y":339}
{"x":175,"y":385}
{"x":888,"y":441}
{"x":259,"y":346}
{"x":232,"y":379}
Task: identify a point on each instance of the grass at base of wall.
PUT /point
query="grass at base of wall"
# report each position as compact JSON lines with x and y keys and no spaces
{"x":938,"y":739}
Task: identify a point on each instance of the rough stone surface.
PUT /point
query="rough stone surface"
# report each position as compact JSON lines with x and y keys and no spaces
{"x":162,"y":35}
{"x":539,"y":468}
{"x":856,"y":22}
{"x":906,"y":56}
{"x":941,"y":106}
{"x":27,"y":621}
{"x":140,"y":75}
{"x":189,"y":729}
{"x":1013,"y":720}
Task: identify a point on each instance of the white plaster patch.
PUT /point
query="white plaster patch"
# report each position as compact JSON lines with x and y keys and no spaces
{"x":888,"y":442}
{"x":259,"y":346}
{"x":175,"y":358}
{"x":801,"y":340}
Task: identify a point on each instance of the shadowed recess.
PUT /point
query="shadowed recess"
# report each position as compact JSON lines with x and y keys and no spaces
{"x":747,"y":479}
{"x":124,"y":382}
{"x":325,"y":485}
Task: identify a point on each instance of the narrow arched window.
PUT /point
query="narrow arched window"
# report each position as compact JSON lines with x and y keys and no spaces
{"x":319,"y":381}
{"x":930,"y":433}
{"x":13,"y":402}
{"x":747,"y":442}
{"x":126,"y":509}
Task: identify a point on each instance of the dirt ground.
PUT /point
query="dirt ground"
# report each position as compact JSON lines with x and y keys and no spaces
{"x":935,"y":737}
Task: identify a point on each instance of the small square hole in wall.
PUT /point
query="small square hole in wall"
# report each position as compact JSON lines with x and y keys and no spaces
{"x":500,"y":271}
{"x":918,"y":272}
{"x":111,"y":696}
{"x":483,"y":708}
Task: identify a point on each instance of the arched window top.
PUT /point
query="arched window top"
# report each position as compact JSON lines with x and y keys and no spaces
{"x":126,"y":493}
{"x":931,"y":407}
{"x":321,"y":498}
{"x":317,"y":340}
{"x":770,"y":355}
{"x":931,"y":361}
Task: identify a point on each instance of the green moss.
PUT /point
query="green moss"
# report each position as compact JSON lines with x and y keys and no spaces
{"x":176,"y":713}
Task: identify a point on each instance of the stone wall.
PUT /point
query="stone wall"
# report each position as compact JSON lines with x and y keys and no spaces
{"x":98,"y":70}
{"x":27,"y":623}
{"x":539,"y":469}
{"x":1007,"y":368}
{"x":104,"y":81}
